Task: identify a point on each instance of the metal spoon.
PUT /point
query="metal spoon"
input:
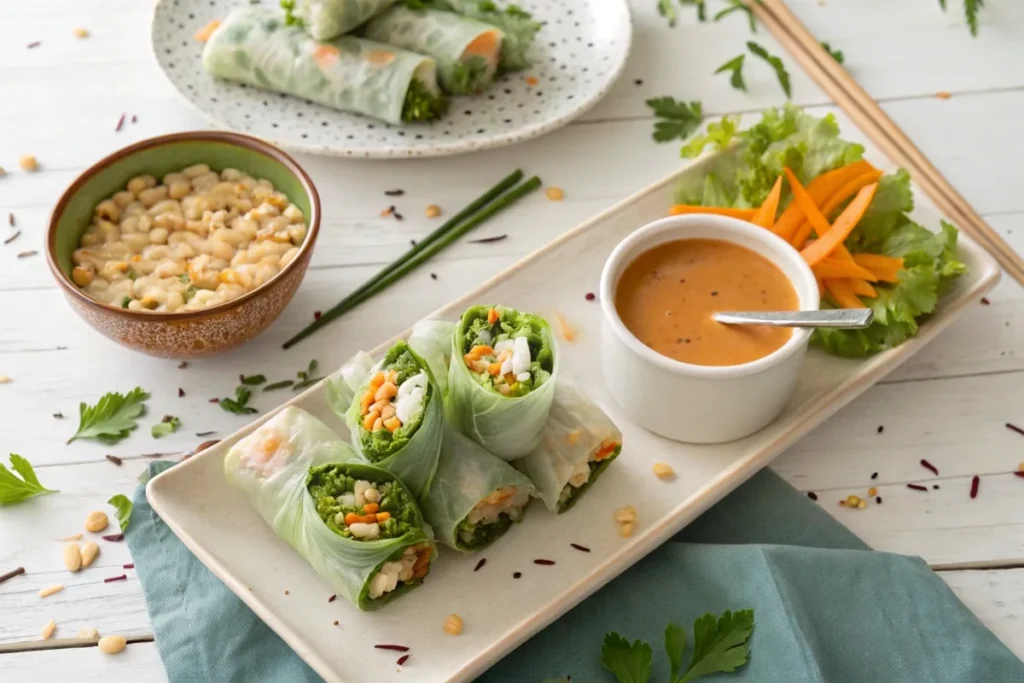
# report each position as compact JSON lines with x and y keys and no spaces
{"x":843,"y":318}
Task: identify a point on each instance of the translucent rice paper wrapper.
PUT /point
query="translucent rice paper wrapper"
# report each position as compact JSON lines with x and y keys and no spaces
{"x":416,"y":461}
{"x":465,"y":475}
{"x":274,"y":483}
{"x":445,"y":36}
{"x":519,"y":31}
{"x":507,"y":427}
{"x":576,"y":428}
{"x":254,"y":46}
{"x":326,"y":19}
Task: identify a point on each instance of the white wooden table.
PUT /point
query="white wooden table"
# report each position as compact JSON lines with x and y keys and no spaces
{"x":62,"y":99}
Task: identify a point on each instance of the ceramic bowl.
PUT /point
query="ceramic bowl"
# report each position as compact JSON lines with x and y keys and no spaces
{"x":190,"y":334}
{"x":696,"y":403}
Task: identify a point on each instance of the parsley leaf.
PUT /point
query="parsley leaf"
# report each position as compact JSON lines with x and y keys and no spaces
{"x":14,"y":490}
{"x":738,"y":6}
{"x":289,"y":14}
{"x":125,"y":301}
{"x":675,"y":646}
{"x":668,"y":10}
{"x":680,"y":118}
{"x":971,"y":9}
{"x":123,"y":506}
{"x":629,"y":663}
{"x":279,"y":385}
{"x":836,"y":54}
{"x":239,"y":404}
{"x":719,"y":645}
{"x":701,"y":8}
{"x":775,"y":63}
{"x":735,"y":66}
{"x":253,"y":380}
{"x":168,"y":425}
{"x":112,"y":418}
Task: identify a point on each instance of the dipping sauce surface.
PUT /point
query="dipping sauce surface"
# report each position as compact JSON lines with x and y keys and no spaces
{"x":667,"y":295}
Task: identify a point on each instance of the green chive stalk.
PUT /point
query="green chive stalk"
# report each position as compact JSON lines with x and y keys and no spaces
{"x":478,"y":211}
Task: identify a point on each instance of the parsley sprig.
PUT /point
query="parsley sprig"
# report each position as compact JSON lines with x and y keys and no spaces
{"x":836,"y":54}
{"x":239,"y":405}
{"x":735,"y":67}
{"x":775,"y":63}
{"x":14,"y":490}
{"x":677,"y":119}
{"x":719,"y":646}
{"x":738,"y":6}
{"x":112,"y":418}
{"x":971,"y":9}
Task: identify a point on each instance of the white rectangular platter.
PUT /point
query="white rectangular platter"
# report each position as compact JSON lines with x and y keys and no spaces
{"x":499,"y":612}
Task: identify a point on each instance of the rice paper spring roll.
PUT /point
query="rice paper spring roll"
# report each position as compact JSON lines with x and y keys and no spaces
{"x":254,"y":46}
{"x":501,"y":378}
{"x":396,"y":415}
{"x":466,"y":50}
{"x":475,"y":497}
{"x":518,"y":28}
{"x":304,"y":481}
{"x":326,"y":19}
{"x":578,"y":444}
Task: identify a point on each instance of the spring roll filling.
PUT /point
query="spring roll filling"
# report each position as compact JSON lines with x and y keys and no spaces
{"x":492,"y":516}
{"x":392,"y":406}
{"x":270,"y":454}
{"x":587,"y":471}
{"x":423,"y":103}
{"x":505,"y":352}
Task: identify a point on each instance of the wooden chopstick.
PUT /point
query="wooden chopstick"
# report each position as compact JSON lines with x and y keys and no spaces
{"x":881,"y":129}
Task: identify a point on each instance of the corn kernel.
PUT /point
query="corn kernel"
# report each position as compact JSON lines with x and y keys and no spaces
{"x":663,"y":471}
{"x":555,"y":194}
{"x":432,"y":211}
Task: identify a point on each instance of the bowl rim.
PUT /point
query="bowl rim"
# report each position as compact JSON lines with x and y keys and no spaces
{"x":241,"y":140}
{"x":674,"y":228}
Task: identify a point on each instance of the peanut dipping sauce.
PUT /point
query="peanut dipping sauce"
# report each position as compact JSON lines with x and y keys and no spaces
{"x":667,"y":295}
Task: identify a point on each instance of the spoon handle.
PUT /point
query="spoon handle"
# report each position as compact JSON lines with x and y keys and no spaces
{"x":845,"y":318}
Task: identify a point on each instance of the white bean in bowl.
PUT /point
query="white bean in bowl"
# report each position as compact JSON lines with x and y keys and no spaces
{"x":197,"y":239}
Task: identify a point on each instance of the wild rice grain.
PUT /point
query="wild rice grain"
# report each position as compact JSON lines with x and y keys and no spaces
{"x":581,"y":548}
{"x":917,"y":487}
{"x":11,"y":574}
{"x":433,"y":276}
{"x":332,"y":598}
{"x":403,"y":659}
{"x":120,"y":124}
{"x":113,"y":538}
{"x":874,"y":475}
{"x":481,"y":563}
{"x":182,"y":365}
{"x":33,"y":44}
{"x":928,"y":466}
{"x":10,"y":219}
{"x":812,"y":495}
{"x":1019,"y":473}
{"x":130,"y":565}
{"x":878,"y":499}
{"x":13,"y":237}
{"x":114,"y":459}
{"x":1015,"y":428}
{"x":546,"y":563}
{"x":181,"y":393}
{"x":26,"y":254}
{"x":975,"y":482}
{"x":394,"y":193}
{"x":881,"y":428}
{"x":112,"y":579}
{"x":516,"y":575}
{"x":396,"y":648}
{"x":985,"y":301}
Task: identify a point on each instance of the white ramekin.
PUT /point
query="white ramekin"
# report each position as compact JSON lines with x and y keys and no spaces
{"x":697,"y":403}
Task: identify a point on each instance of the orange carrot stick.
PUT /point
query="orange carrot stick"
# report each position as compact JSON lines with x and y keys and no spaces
{"x":829,"y":206}
{"x":843,"y":226}
{"x":885,"y":268}
{"x":862,"y":288}
{"x":820,"y":189}
{"x":742,"y":214}
{"x":831,"y":268}
{"x":765,"y":216}
{"x":843,"y":294}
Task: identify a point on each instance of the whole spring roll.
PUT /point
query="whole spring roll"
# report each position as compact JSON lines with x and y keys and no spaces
{"x":578,"y":444}
{"x":326,"y":19}
{"x":303,"y":480}
{"x":395,"y":413}
{"x":254,"y":46}
{"x":501,"y":378}
{"x":475,"y":497}
{"x":467,"y":51}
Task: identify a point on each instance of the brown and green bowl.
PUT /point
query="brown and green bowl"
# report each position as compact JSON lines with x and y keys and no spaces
{"x":190,"y":334}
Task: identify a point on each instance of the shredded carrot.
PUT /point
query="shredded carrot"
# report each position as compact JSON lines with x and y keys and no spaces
{"x":765,"y":216}
{"x":820,"y":189}
{"x":607,"y":448}
{"x":843,"y":294}
{"x":565,"y":329}
{"x":742,"y":214}
{"x":842,"y":227}
{"x":203,"y":34}
{"x":492,"y":316}
{"x":885,"y":268}
{"x":830,"y":268}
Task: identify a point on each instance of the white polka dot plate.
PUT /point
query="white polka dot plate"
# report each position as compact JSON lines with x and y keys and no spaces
{"x":579,"y":52}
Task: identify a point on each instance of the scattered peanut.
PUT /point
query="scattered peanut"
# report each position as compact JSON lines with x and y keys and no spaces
{"x":50,"y":590}
{"x":81,"y":33}
{"x":88,"y":632}
{"x":72,"y":557}
{"x":663,"y":471}
{"x":28,"y":163}
{"x":433,"y":211}
{"x":72,"y":537}
{"x":96,"y":521}
{"x":626,"y":530}
{"x":89,"y":553}
{"x":872,"y":492}
{"x":555,"y":194}
{"x":625,"y":514}
{"x":4,"y":379}
{"x":862,"y":504}
{"x":111,"y":645}
{"x":943,"y":95}
{"x":48,"y":630}
{"x":453,"y":624}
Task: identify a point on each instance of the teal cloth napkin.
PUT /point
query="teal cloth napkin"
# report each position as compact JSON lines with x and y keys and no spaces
{"x":827,"y":608}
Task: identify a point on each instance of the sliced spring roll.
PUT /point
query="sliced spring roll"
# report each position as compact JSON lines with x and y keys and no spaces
{"x":256,"y":47}
{"x":501,"y":378}
{"x":475,"y":497}
{"x":578,"y":444}
{"x":466,"y":50}
{"x":326,"y":19}
{"x":518,"y":28}
{"x":395,"y":413}
{"x":299,"y":475}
